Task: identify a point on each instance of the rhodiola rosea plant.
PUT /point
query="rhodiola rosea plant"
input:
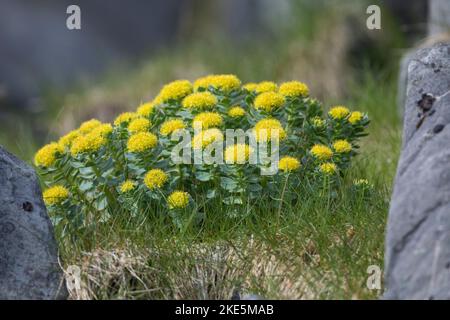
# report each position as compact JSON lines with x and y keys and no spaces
{"x":128,"y":166}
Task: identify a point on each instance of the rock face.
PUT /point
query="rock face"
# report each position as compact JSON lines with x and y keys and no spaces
{"x":438,"y":29}
{"x":418,"y":233}
{"x":402,"y":82}
{"x":29,"y":266}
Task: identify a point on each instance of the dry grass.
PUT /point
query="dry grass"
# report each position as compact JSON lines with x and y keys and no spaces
{"x":198,"y":272}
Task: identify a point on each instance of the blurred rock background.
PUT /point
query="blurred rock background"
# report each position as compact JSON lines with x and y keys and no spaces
{"x":51,"y":78}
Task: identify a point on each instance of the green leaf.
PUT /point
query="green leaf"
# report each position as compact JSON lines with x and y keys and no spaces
{"x":87,"y":173}
{"x":255,"y":187}
{"x":211,"y":193}
{"x":203,"y":176}
{"x":228,"y":183}
{"x":101,"y":203}
{"x":86,"y":185}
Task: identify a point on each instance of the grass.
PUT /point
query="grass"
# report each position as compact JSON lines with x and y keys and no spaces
{"x":319,"y":247}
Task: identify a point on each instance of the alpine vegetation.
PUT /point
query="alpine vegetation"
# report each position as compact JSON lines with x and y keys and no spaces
{"x":211,"y":140}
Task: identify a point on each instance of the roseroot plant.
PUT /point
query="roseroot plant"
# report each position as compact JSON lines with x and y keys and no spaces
{"x":129,"y":167}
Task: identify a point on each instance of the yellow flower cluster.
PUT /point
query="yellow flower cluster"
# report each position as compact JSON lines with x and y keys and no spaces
{"x":55,"y":195}
{"x":288,"y":164}
{"x":178,"y":200}
{"x":238,"y":153}
{"x":139,"y":125}
{"x":125,"y":118}
{"x":265,"y":109}
{"x":294,"y":89}
{"x":170,"y":126}
{"x":66,"y":140}
{"x":207,"y":120}
{"x":236,"y":112}
{"x":200,"y":101}
{"x":206,"y":137}
{"x":88,"y":126}
{"x":321,"y":152}
{"x":339,"y":112}
{"x":89,"y":143}
{"x":146,"y":109}
{"x":251,"y":86}
{"x":141,"y":142}
{"x":102,"y":130}
{"x":269,"y":101}
{"x":223,"y":82}
{"x":328,"y":168}
{"x":127,"y":186}
{"x":342,"y":146}
{"x":47,"y":155}
{"x":355,"y":117}
{"x":264,"y":129}
{"x":266,"y":86}
{"x":175,"y":90}
{"x":89,"y":137}
{"x":155,"y":179}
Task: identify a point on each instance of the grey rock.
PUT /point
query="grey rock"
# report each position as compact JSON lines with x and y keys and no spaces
{"x":250,"y":296}
{"x":418,"y":234}
{"x":253,"y":297}
{"x":29,"y":267}
{"x":402,"y":82}
{"x":438,"y":31}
